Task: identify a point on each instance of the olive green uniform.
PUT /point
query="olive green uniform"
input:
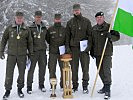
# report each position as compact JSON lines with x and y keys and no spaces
{"x":99,"y":34}
{"x":55,"y":38}
{"x":38,"y":33}
{"x":79,"y":28}
{"x":19,"y":41}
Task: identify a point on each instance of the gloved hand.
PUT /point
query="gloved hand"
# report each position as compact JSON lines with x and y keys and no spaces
{"x":2,"y":56}
{"x":92,"y":53}
{"x":109,"y":35}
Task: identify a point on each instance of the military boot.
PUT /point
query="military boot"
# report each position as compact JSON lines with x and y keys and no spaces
{"x":29,"y":89}
{"x":20,"y":93}
{"x":101,"y":91}
{"x":85,"y":90}
{"x":42,"y":87}
{"x":6,"y":95}
{"x":107,"y":92}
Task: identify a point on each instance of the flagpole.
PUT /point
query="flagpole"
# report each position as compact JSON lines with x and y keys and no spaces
{"x":103,"y":52}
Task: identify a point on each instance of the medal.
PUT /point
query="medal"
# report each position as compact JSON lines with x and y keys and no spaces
{"x":12,"y":35}
{"x":39,"y":31}
{"x":39,"y":36}
{"x":34,"y":36}
{"x":18,"y":29}
{"x":18,"y":37}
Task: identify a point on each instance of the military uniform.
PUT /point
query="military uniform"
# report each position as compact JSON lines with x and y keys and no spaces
{"x":79,"y":28}
{"x":55,"y":38}
{"x":99,"y":35}
{"x":18,"y":43}
{"x":39,"y":48}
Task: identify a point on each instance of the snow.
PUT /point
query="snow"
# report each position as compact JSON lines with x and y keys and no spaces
{"x":122,"y":81}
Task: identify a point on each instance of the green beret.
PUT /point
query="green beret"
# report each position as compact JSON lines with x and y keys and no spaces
{"x":76,"y":6}
{"x":38,"y":13}
{"x":19,"y":14}
{"x":57,"y":16}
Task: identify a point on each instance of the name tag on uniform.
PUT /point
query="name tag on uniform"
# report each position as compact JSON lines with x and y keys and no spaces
{"x":83,"y":45}
{"x":62,"y":49}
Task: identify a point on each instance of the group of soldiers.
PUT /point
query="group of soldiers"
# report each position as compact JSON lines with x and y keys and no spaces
{"x":31,"y":41}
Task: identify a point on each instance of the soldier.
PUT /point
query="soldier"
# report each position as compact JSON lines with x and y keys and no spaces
{"x":79,"y":29}
{"x":38,"y":32}
{"x":55,"y":38}
{"x":100,"y":33}
{"x":19,"y":40}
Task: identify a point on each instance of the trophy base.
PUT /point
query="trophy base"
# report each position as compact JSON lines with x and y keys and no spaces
{"x":52,"y":95}
{"x":67,"y":96}
{"x":67,"y":93}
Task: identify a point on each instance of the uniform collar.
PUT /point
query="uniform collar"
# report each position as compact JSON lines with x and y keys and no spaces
{"x":79,"y":17}
{"x":57,"y":24}
{"x":42,"y":24}
{"x":22,"y":26}
{"x":102,"y":27}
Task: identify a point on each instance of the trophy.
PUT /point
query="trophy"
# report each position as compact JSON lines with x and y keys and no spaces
{"x":67,"y":84}
{"x":53,"y":82}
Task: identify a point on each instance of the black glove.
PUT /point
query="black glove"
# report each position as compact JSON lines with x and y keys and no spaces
{"x":109,"y":35}
{"x":2,"y":56}
{"x":92,"y":52}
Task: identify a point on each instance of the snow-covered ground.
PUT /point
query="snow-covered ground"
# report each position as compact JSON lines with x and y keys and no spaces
{"x":122,"y":81}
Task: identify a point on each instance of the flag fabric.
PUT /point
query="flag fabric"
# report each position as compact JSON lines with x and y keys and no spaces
{"x":132,"y":42}
{"x":123,"y":21}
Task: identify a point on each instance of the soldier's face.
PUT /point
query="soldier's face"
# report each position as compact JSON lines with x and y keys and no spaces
{"x":76,"y":12}
{"x":38,"y":19}
{"x":57,"y":20}
{"x":100,"y":20}
{"x":19,"y":20}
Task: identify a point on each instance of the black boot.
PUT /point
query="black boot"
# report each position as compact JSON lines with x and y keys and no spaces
{"x":107,"y":91}
{"x":107,"y":95}
{"x":20,"y":93}
{"x":75,"y":87}
{"x":85,"y":90}
{"x":29,"y":89}
{"x":85,"y":87}
{"x":42,"y":88}
{"x":6,"y":95}
{"x":101,"y":91}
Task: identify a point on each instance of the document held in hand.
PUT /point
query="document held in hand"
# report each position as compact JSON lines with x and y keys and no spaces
{"x":83,"y":45}
{"x":28,"y":63}
{"x":62,"y":49}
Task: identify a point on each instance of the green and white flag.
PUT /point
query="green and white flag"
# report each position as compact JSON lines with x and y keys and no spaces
{"x":123,"y":21}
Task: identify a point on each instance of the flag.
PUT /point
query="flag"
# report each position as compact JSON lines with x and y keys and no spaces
{"x":123,"y":21}
{"x":132,"y":42}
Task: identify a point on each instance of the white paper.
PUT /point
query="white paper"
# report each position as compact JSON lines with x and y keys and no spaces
{"x":83,"y":45}
{"x":62,"y":49}
{"x":28,"y":63}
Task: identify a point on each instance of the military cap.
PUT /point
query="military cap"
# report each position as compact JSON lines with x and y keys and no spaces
{"x":38,"y":13}
{"x":19,"y":13}
{"x":99,"y":14}
{"x":76,"y":6}
{"x":57,"y":16}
